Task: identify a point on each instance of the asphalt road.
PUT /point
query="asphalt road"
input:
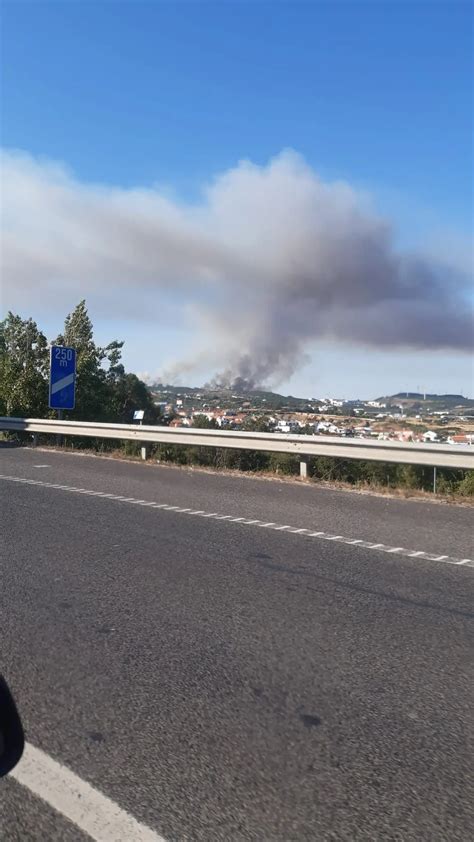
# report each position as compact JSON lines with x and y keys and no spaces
{"x":222,"y":681}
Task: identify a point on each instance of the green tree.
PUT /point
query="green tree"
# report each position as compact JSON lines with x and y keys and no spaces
{"x":104,"y":390}
{"x":257,"y":424}
{"x":24,"y":366}
{"x":129,"y":393}
{"x":205,"y":423}
{"x":96,"y":367}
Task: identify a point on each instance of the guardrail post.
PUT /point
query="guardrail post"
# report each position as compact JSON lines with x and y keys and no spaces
{"x":60,"y":439}
{"x":35,"y":439}
{"x":304,"y":467}
{"x":434,"y":479}
{"x":144,"y":452}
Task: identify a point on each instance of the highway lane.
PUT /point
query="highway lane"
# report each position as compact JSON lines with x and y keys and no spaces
{"x":226,"y":683}
{"x":420,"y":525}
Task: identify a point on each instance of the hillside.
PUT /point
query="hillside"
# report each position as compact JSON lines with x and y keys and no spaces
{"x":429,"y":402}
{"x":257,"y":397}
{"x":265,"y":398}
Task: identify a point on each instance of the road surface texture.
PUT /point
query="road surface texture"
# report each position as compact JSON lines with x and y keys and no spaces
{"x":215,"y":679}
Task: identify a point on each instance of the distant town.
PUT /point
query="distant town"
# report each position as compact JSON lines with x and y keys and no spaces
{"x":406,"y":416}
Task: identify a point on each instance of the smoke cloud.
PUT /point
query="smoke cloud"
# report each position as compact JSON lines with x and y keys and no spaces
{"x":271,"y":260}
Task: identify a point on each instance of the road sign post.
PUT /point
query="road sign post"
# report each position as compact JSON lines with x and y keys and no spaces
{"x":139,"y":415}
{"x":62,"y":378}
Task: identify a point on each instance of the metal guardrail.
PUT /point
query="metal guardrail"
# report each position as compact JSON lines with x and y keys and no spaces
{"x":409,"y":453}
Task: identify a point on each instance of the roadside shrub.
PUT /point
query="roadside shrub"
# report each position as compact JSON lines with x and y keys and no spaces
{"x":466,"y":486}
{"x":284,"y":463}
{"x":408,"y":476}
{"x":322,"y":467}
{"x":373,"y":473}
{"x":131,"y":448}
{"x":170,"y":453}
{"x":445,"y":486}
{"x":251,"y":460}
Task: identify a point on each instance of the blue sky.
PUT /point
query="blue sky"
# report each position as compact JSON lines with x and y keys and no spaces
{"x":376,"y":93}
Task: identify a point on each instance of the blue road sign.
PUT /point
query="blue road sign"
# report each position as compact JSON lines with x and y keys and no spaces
{"x":62,"y":378}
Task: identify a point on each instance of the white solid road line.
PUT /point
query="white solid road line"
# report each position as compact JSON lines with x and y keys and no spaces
{"x":261,"y":524}
{"x":79,"y":802}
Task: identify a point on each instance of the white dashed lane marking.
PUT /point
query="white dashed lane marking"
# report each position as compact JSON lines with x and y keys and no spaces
{"x":306,"y":533}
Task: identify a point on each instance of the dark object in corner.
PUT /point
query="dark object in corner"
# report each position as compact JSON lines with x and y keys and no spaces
{"x":12,"y":739}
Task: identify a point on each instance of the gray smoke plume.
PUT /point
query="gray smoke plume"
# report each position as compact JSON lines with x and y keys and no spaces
{"x":271,"y":260}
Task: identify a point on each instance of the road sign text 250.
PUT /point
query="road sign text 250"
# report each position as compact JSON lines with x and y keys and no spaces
{"x":63,"y":354}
